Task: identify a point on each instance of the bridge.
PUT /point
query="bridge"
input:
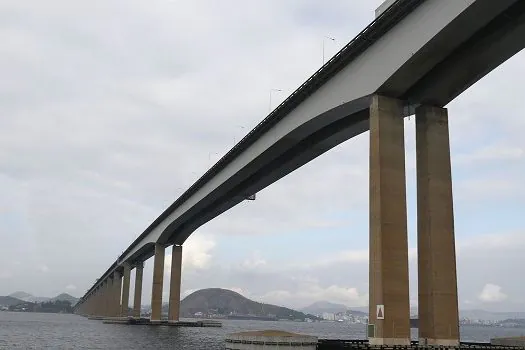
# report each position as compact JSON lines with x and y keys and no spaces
{"x":414,"y":58}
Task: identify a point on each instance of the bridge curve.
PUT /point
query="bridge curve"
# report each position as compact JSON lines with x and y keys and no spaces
{"x":420,"y":51}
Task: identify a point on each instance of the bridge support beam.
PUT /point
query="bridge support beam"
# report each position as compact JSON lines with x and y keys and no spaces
{"x":103,"y":299}
{"x":158,"y":278}
{"x":107,"y":297}
{"x":137,"y":300}
{"x":176,"y":269}
{"x":116,"y":294}
{"x":389,"y":292}
{"x":110,"y":303}
{"x":437,"y":280}
{"x":125,"y":291}
{"x":89,"y":306}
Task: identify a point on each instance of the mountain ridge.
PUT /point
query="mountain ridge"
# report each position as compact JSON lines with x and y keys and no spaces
{"x":9,"y":301}
{"x":27,"y":297}
{"x":320,"y":307}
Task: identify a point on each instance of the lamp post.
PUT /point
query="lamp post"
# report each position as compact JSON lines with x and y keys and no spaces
{"x":324,"y":39}
{"x":270,"y":105}
{"x":209,"y":157}
{"x":235,"y":138}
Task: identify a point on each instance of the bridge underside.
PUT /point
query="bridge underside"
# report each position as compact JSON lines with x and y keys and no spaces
{"x":446,"y":69}
{"x":482,"y":37}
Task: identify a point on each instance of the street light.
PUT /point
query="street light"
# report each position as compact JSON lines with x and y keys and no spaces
{"x":209,"y":157}
{"x":272,"y":90}
{"x":329,"y":38}
{"x":210,"y":153}
{"x":235,"y":138}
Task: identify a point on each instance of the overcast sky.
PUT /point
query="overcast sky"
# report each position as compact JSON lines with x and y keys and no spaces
{"x":110,"y":109}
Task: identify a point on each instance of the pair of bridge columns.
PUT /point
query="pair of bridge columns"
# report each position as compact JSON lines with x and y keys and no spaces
{"x":389,"y":318}
{"x":158,"y":280}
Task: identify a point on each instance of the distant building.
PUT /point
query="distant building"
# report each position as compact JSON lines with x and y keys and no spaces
{"x":328,"y":316}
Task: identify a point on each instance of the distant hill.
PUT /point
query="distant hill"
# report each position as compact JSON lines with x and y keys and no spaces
{"x":20,"y":295}
{"x":489,"y":315}
{"x":23,"y":296}
{"x":9,"y":301}
{"x":320,"y":307}
{"x":28,"y":297}
{"x":65,"y":297}
{"x":219,"y":301}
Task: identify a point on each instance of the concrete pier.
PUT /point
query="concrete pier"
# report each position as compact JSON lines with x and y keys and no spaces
{"x":389,"y":295}
{"x":437,"y":280}
{"x":176,"y":270}
{"x":137,"y":300}
{"x":158,"y":278}
{"x":106,"y":299}
{"x":125,"y":290}
{"x":117,"y":292}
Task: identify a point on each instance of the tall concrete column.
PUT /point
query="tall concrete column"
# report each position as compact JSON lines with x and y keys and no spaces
{"x":158,"y":277}
{"x":90,"y":306}
{"x":137,"y":300}
{"x":125,"y":291}
{"x":117,"y":293}
{"x":96,"y":302}
{"x":100,"y":304}
{"x":99,"y":301}
{"x":110,"y":298}
{"x":389,"y":292}
{"x":437,"y":280}
{"x":83,"y":308}
{"x":176,"y":267}
{"x":107,"y":297}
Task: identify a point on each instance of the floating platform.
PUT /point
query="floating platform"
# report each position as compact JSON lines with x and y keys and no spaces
{"x":147,"y":322}
{"x":269,"y":339}
{"x":96,"y":318}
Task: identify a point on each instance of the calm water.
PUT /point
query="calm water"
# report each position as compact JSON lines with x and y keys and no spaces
{"x":54,"y":331}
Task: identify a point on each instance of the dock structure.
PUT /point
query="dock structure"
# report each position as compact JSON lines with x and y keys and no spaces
{"x":509,"y":341}
{"x":496,"y":344}
{"x":142,"y":321}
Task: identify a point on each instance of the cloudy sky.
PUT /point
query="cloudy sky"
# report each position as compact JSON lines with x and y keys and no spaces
{"x":110,"y":109}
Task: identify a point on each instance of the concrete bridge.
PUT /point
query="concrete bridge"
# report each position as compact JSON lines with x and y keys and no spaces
{"x":414,"y":58}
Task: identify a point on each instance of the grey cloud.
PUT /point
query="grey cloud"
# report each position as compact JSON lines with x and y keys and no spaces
{"x":491,"y":260}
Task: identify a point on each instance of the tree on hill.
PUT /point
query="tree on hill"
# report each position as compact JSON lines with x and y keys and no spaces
{"x":57,"y":306}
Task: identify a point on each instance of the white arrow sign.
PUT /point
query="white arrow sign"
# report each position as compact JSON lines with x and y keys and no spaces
{"x":380,"y":312}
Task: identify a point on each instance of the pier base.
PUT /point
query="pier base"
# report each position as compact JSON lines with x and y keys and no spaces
{"x":148,"y":322}
{"x":513,"y":341}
